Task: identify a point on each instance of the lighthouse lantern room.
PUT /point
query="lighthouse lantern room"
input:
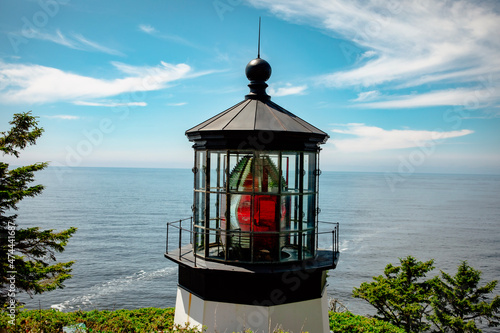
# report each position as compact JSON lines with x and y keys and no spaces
{"x":254,"y":255}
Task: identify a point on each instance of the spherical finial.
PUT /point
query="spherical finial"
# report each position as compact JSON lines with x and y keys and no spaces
{"x":258,"y":70}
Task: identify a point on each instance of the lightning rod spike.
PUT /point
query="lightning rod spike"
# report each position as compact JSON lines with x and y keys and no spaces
{"x":258,"y":50}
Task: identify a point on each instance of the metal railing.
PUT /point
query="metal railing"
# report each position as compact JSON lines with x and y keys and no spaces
{"x":306,"y":243}
{"x":178,"y":224}
{"x":334,"y":232}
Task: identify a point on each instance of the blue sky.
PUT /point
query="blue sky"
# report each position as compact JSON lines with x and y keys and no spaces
{"x":400,"y":86}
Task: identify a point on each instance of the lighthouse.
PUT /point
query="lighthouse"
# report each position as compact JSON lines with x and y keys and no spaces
{"x":254,"y":254}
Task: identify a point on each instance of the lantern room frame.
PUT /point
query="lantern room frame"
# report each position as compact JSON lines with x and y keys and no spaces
{"x":295,"y":195}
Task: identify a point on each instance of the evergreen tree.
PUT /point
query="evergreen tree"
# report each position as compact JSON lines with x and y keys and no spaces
{"x":459,"y":302}
{"x":27,"y":255}
{"x":400,"y":296}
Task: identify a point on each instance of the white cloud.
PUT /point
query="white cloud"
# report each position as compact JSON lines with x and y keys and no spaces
{"x":63,"y":117}
{"x":95,"y":46}
{"x":398,"y":44}
{"x":471,"y":98}
{"x":73,"y":41}
{"x":56,"y":37}
{"x":177,"y":104}
{"x":147,"y":28}
{"x":489,"y":113}
{"x":150,"y":30}
{"x":288,"y":89}
{"x":367,"y":96}
{"x":371,"y":138}
{"x":27,"y":83}
{"x":110,"y":104}
{"x":367,"y":54}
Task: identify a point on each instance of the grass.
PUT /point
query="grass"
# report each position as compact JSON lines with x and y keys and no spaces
{"x":153,"y":320}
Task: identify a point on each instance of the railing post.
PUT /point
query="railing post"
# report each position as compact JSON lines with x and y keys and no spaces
{"x":166,"y":242}
{"x":337,"y":229}
{"x":333,"y":246}
{"x":180,"y":238}
{"x":317,"y":239}
{"x":191,"y":229}
{"x":194,"y":247}
{"x":301,"y":241}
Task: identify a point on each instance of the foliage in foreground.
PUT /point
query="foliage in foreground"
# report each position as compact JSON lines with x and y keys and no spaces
{"x":347,"y":322}
{"x":140,"y":320}
{"x":27,"y":255}
{"x":155,"y":320}
{"x":403,"y":297}
{"x":458,"y":301}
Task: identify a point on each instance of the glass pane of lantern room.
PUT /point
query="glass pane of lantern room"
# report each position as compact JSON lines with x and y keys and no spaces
{"x":199,"y":241}
{"x":199,"y":168}
{"x":240,"y":172}
{"x":217,"y":167}
{"x":290,"y":219}
{"x":266,"y":214}
{"x":237,"y":240}
{"x":309,"y":204}
{"x":310,"y":172}
{"x":290,"y":212}
{"x":240,"y":212}
{"x":215,"y":213}
{"x":308,"y":245}
{"x":289,"y":167}
{"x":199,"y":208}
{"x":266,"y":172}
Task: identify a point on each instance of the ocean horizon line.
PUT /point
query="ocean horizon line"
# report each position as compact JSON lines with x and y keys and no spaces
{"x":404,"y":174}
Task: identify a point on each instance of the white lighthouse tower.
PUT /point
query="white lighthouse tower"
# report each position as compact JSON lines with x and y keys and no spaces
{"x":254,"y":255}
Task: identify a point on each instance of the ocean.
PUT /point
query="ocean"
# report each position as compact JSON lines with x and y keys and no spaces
{"x":121,"y":216}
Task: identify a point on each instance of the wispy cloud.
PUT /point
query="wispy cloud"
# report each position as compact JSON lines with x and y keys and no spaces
{"x":288,"y":89}
{"x":177,"y":104}
{"x":400,"y":44}
{"x":367,"y":96}
{"x":371,"y":138}
{"x":110,"y":104}
{"x":471,"y":98}
{"x":489,"y":113}
{"x":73,"y":41}
{"x":147,"y":28}
{"x":150,"y":30}
{"x":28,"y":83}
{"x":95,"y":46}
{"x":63,"y":117}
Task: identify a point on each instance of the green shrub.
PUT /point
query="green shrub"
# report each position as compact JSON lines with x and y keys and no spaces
{"x":140,"y":320}
{"x":153,"y":320}
{"x":346,"y":322}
